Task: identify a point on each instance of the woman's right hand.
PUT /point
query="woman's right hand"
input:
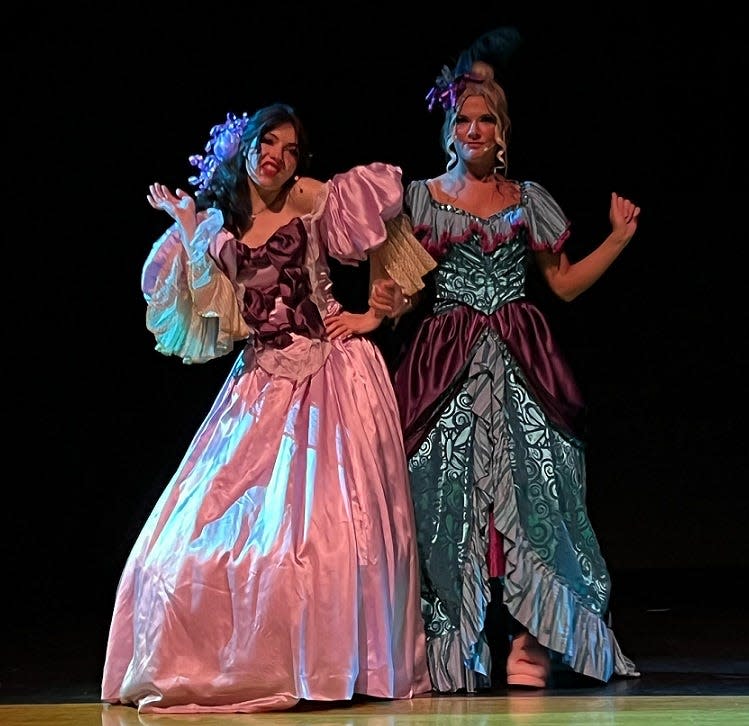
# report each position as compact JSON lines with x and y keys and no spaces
{"x":180,"y":206}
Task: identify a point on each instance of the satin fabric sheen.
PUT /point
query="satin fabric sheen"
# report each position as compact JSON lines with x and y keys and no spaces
{"x":492,"y":420}
{"x":280,"y":561}
{"x":444,"y":349}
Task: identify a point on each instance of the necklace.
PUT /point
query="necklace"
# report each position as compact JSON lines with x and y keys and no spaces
{"x":267,"y":206}
{"x":264,"y":209}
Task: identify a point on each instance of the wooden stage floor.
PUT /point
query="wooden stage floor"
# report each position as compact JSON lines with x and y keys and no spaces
{"x":525,"y":709}
{"x":693,"y":655}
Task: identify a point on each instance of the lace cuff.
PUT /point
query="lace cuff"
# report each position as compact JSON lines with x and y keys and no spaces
{"x":403,"y":257}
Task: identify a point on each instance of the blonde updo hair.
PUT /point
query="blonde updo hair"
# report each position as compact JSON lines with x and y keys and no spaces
{"x":496,"y":101}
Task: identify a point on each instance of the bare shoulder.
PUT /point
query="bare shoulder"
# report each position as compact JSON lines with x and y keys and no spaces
{"x":438,"y":182}
{"x":304,"y":192}
{"x":437,"y":187}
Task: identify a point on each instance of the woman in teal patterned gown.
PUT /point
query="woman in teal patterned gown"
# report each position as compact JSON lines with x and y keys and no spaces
{"x":491,"y":412}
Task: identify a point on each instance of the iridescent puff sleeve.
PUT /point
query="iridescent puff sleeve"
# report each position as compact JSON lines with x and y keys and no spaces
{"x":192,"y":307}
{"x":360,"y":214}
{"x":548,"y":226}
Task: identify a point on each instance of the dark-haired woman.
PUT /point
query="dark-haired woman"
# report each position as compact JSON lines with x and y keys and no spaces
{"x":280,"y":562}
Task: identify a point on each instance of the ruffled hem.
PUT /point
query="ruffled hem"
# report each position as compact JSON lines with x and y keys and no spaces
{"x":555,"y":616}
{"x":533,"y":595}
{"x":447,"y":666}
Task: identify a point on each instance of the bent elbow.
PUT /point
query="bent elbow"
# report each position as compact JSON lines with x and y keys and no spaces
{"x":567,"y":295}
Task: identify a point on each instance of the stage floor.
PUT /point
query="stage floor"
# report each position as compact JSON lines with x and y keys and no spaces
{"x":693,"y":657}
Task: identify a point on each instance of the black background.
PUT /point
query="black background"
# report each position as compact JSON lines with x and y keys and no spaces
{"x":100,"y":103}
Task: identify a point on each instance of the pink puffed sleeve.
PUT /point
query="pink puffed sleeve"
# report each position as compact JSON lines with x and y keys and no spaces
{"x":350,"y":221}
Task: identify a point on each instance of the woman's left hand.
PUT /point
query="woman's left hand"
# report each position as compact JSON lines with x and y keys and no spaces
{"x":623,"y":215}
{"x":344,"y":325}
{"x":386,"y":296}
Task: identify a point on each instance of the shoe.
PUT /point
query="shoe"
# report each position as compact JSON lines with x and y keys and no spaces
{"x":528,"y":663}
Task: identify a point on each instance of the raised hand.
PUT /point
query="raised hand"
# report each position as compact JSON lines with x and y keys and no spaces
{"x":623,"y":215}
{"x":180,"y":206}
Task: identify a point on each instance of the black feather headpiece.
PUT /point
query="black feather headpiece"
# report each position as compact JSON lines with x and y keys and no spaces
{"x":494,"y":48}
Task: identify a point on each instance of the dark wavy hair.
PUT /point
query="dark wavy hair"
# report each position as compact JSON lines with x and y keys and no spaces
{"x":227,"y":189}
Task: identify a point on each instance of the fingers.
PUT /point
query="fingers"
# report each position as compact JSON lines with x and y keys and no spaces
{"x":383,"y":290}
{"x":380,"y":303}
{"x":335,"y":327}
{"x":383,"y":283}
{"x":383,"y":295}
{"x":338,"y":331}
{"x":155,"y":196}
{"x":627,"y":209}
{"x":160,"y":194}
{"x":384,"y":307}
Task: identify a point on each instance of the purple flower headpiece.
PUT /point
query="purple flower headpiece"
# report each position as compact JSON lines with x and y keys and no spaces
{"x":222,"y":145}
{"x":448,"y":88}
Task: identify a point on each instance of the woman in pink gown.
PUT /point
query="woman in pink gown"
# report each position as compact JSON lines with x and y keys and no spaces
{"x":280,"y":562}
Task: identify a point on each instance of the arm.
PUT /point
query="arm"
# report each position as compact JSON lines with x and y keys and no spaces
{"x":192,"y":307}
{"x":346,"y":324}
{"x":180,"y":207}
{"x":398,"y":269}
{"x":568,"y":280}
{"x":377,"y":229}
{"x":386,"y":298}
{"x":380,"y":280}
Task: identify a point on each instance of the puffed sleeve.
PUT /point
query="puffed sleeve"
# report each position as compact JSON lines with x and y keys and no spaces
{"x":360,"y":213}
{"x":192,"y":307}
{"x":548,"y":226}
{"x":350,"y":220}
